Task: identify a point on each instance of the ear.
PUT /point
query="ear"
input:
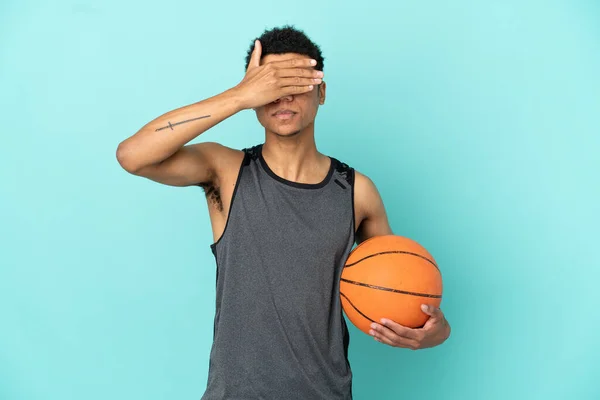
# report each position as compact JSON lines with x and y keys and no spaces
{"x":322,"y":92}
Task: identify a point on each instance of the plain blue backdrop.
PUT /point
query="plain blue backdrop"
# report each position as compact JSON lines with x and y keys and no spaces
{"x":479,"y":122}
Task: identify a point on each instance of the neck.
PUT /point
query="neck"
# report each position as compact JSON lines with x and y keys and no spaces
{"x":295,"y":157}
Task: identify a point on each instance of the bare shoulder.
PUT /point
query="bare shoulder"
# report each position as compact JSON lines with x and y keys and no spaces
{"x":364,"y":188}
{"x":366,"y":195}
{"x":371,"y":216}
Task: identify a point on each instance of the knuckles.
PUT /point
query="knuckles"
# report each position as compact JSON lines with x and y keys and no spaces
{"x":270,"y":69}
{"x":416,"y":344}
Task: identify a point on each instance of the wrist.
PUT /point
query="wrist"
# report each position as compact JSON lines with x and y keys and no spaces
{"x":235,"y":98}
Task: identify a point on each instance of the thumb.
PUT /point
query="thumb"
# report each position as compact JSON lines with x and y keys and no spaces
{"x":255,"y":57}
{"x":430,"y":310}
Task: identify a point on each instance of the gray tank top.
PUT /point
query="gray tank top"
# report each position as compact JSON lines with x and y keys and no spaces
{"x":279,"y":331}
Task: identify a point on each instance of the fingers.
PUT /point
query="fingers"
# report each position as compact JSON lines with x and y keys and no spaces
{"x":296,"y":62}
{"x":288,"y":90}
{"x":279,"y":78}
{"x":400,"y":330}
{"x":389,"y":342}
{"x":255,"y":57}
{"x":385,"y":335}
{"x":299,"y":72}
{"x":291,"y":63}
{"x":297,"y":81}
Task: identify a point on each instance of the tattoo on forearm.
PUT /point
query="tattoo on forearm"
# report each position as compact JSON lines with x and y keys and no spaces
{"x":179,"y":123}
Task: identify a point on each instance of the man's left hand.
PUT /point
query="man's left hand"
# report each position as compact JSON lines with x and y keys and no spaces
{"x":435,"y":331}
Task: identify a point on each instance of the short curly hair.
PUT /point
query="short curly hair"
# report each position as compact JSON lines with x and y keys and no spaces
{"x":287,"y":39}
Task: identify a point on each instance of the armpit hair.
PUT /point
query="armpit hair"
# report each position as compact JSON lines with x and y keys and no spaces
{"x":213,"y":194}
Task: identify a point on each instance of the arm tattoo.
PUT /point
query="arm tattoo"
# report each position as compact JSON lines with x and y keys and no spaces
{"x":179,"y":123}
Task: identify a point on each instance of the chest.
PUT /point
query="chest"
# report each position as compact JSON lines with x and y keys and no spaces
{"x":293,"y":219}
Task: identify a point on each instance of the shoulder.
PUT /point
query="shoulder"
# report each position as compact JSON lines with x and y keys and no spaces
{"x":363,"y":185}
{"x":367,"y":200}
{"x":221,"y":157}
{"x":371,"y":216}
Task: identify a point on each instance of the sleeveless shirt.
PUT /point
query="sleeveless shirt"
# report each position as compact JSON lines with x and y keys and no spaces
{"x":279,"y":331}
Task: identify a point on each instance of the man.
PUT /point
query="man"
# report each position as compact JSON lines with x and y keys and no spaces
{"x":284,"y":219}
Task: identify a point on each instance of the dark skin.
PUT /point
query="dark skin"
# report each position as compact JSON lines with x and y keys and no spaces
{"x":285,"y":92}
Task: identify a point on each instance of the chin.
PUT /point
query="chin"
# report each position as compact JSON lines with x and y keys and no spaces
{"x":286,"y":131}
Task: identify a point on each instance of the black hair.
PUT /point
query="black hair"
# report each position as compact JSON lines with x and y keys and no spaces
{"x":287,"y":39}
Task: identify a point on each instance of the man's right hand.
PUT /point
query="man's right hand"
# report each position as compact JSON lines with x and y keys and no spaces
{"x":266,"y":83}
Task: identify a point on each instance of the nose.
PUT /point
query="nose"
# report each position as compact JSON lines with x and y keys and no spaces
{"x":285,"y":98}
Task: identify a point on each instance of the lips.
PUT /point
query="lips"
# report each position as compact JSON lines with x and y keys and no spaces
{"x":283,"y":112}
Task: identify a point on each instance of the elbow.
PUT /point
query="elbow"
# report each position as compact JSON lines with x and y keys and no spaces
{"x":126,"y":159}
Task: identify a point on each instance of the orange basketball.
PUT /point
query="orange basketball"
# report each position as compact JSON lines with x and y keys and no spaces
{"x":389,"y":277}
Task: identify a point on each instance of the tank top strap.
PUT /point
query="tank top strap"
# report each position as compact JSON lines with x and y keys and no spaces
{"x":344,"y":171}
{"x":252,"y":153}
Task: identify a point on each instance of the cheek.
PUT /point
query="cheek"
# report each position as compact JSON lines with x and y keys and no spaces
{"x":261,"y":116}
{"x":262,"y":113}
{"x":309,"y":104}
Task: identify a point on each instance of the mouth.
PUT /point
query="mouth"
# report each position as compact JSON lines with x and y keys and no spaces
{"x":284,"y":114}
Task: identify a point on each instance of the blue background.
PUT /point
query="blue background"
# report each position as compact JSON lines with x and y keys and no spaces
{"x":479,"y":122}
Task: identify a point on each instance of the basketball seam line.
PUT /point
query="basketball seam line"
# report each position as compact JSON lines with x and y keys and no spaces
{"x":435,"y":296}
{"x":353,"y":306}
{"x":393,"y":252}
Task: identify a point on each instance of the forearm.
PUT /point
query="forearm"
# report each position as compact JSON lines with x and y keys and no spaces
{"x":162,"y":137}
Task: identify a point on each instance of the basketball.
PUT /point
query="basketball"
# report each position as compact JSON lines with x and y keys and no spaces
{"x":389,"y":277}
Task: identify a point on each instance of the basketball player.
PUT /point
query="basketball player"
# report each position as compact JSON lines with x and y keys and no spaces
{"x":284,"y":218}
